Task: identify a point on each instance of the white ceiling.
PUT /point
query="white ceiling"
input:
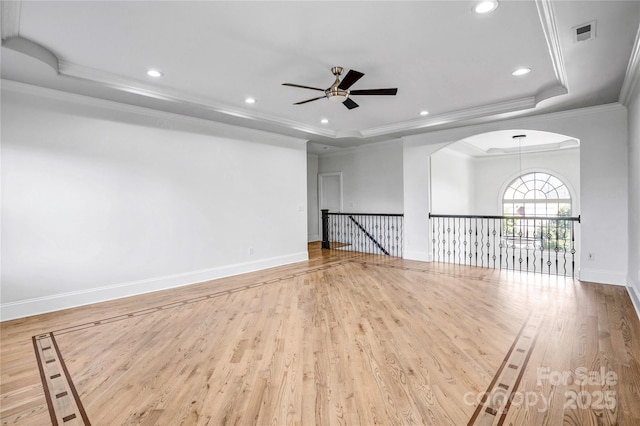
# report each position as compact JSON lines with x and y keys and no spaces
{"x":440,"y":55}
{"x":515,"y":141}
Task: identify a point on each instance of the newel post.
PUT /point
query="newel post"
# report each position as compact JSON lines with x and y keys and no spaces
{"x":325,"y":228}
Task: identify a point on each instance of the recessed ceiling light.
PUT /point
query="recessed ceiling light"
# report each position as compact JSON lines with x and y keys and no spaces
{"x":521,"y":71}
{"x":424,"y":112}
{"x":324,"y":121}
{"x":154,"y":73}
{"x":485,"y":6}
{"x":250,"y":101}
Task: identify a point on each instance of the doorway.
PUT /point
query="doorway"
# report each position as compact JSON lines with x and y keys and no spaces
{"x":329,"y":193}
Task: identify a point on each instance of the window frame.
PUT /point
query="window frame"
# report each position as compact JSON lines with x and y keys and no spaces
{"x":551,"y":181}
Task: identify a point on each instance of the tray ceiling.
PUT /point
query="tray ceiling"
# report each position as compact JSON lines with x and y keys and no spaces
{"x":442,"y":57}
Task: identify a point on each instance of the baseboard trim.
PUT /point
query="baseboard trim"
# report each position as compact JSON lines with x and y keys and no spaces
{"x":422,"y":256}
{"x":633,"y":288}
{"x":314,"y":238}
{"x":635,"y":299}
{"x":601,"y":276}
{"x":57,"y":302}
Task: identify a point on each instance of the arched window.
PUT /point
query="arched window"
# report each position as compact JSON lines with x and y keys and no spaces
{"x":536,"y":194}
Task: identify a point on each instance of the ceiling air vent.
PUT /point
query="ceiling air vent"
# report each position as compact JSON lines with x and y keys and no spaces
{"x":584,"y":32}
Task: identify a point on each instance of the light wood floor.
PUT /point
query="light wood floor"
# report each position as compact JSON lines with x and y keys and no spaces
{"x":343,"y":339}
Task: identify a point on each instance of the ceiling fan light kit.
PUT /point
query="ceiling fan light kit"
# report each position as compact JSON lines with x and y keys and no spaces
{"x":340,"y":91}
{"x":338,"y":96}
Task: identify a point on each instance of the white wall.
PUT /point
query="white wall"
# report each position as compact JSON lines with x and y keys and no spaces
{"x":452,"y":183}
{"x":492,"y":174}
{"x":634,"y":190}
{"x":371,"y":177}
{"x":602,"y":132}
{"x":313,"y":210}
{"x":102,"y":200}
{"x":417,"y":244}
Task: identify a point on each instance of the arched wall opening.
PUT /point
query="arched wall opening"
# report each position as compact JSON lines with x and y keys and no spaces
{"x":470,"y":176}
{"x":603,"y":188}
{"x":513,"y":173}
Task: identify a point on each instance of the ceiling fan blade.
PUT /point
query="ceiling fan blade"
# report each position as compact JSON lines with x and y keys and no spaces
{"x":375,"y":92}
{"x":350,"y":104}
{"x":302,"y":87}
{"x":351,"y":77}
{"x":309,"y":100}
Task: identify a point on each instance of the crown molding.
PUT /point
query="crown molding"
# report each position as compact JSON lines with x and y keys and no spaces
{"x":535,"y":149}
{"x":460,"y":115}
{"x":480,"y":154}
{"x":144,"y":89}
{"x":454,"y":152}
{"x":550,"y":92}
{"x":462,"y":132}
{"x":576,"y":112}
{"x":163,"y":116}
{"x":366,"y":147}
{"x":550,"y":30}
{"x":10,"y":12}
{"x":475,"y":152}
{"x":32,"y":49}
{"x":633,"y":73}
{"x":141,"y":88}
{"x":137,"y":87}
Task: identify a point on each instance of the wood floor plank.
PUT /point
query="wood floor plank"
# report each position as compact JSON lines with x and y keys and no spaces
{"x":344,"y":338}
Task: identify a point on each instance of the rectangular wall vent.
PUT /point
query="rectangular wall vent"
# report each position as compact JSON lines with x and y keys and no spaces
{"x":584,"y":32}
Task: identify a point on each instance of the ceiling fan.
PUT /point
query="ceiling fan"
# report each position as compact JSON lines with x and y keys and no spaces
{"x":339,"y":90}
